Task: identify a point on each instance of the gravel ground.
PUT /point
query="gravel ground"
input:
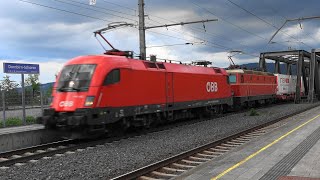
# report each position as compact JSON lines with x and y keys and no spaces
{"x":120,"y":157}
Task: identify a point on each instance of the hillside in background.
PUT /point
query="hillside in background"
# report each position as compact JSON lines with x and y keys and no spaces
{"x":47,"y":86}
{"x":44,"y":87}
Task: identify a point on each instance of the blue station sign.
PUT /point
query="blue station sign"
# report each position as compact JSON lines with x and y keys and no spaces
{"x":17,"y":68}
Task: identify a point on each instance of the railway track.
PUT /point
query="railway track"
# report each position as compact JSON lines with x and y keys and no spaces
{"x":177,"y":165}
{"x":32,"y":154}
{"x":59,"y":148}
{"x":47,"y":151}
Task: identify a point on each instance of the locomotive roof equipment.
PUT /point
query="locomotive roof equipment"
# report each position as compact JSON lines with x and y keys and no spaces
{"x":113,"y":51}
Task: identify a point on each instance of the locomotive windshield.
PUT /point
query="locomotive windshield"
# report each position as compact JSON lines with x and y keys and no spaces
{"x":75,"y":77}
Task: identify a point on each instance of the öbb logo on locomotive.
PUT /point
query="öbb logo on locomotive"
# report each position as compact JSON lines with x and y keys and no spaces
{"x":212,"y":87}
{"x":66,"y":104}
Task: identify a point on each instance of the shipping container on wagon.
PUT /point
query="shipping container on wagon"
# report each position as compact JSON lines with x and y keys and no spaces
{"x":286,"y":86}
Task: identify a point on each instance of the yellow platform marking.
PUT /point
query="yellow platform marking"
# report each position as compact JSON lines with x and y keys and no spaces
{"x":262,"y":149}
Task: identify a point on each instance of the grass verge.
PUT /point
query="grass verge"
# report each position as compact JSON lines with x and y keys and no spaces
{"x":16,"y":121}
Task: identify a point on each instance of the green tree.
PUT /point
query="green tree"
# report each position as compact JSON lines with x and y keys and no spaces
{"x":7,"y":84}
{"x":33,"y":81}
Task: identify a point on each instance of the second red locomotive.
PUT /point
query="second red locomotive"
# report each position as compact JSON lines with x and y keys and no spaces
{"x":252,"y":87}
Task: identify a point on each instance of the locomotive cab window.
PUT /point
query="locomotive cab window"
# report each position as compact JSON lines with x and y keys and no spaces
{"x":232,"y":79}
{"x":76,"y":77}
{"x":112,"y":77}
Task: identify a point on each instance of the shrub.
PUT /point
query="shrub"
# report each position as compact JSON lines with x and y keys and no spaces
{"x":13,"y":121}
{"x":253,"y":112}
{"x":30,"y":120}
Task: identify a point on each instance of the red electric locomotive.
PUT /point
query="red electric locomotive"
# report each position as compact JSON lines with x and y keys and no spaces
{"x":107,"y":92}
{"x":96,"y":93}
{"x":252,"y":87}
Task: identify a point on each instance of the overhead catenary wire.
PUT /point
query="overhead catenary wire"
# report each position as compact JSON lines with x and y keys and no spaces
{"x":211,"y":34}
{"x":236,"y":26}
{"x":200,"y":30}
{"x":215,"y":45}
{"x":119,"y":5}
{"x":94,"y":8}
{"x":98,"y":7}
{"x":286,"y":19}
{"x":181,"y":44}
{"x":66,"y":11}
{"x":211,"y":44}
{"x":84,"y":15}
{"x":270,"y":24}
{"x":239,"y":27}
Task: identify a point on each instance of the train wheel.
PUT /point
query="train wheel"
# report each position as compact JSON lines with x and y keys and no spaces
{"x":251,"y":104}
{"x":223,"y":108}
{"x":116,"y":129}
{"x":125,"y":123}
{"x":148,"y":121}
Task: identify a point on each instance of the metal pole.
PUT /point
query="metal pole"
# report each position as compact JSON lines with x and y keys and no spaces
{"x":311,"y":76}
{"x":142,"y":33}
{"x":262,"y":62}
{"x":277,"y":67}
{"x":298,"y":85}
{"x":23,"y":100}
{"x":41,"y":100}
{"x":288,"y":66}
{"x":3,"y":109}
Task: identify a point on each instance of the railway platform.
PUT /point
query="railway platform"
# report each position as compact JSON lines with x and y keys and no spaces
{"x":24,"y":136}
{"x":291,"y":151}
{"x":18,"y":129}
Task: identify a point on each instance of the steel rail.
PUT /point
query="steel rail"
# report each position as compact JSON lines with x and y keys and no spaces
{"x":7,"y":154}
{"x":71,"y":145}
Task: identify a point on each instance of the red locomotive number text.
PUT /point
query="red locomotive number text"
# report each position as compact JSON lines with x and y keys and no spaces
{"x":212,"y":87}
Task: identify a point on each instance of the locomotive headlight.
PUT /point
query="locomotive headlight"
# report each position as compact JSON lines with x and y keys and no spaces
{"x":89,"y":101}
{"x":71,"y":84}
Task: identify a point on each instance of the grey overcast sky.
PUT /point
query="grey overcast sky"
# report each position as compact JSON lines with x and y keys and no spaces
{"x":49,"y":32}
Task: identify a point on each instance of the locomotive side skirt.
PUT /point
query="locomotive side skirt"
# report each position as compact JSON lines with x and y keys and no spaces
{"x":241,"y":100}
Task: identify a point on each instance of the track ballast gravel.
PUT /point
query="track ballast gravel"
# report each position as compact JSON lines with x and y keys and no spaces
{"x":117,"y":158}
